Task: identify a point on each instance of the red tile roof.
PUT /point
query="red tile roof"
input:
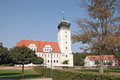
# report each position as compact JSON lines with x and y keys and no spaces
{"x":40,"y":45}
{"x":105,"y":57}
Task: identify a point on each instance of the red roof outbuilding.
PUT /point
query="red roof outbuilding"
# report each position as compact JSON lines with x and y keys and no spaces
{"x":105,"y":57}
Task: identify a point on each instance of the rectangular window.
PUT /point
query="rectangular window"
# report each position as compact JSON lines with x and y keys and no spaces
{"x":66,"y":56}
{"x":66,"y":47}
{"x":66,"y":36}
{"x":48,"y":55}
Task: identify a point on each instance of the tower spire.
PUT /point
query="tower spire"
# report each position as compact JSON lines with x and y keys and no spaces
{"x":63,"y":15}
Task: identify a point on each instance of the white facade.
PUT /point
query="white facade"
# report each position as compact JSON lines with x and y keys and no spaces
{"x":54,"y":53}
{"x":48,"y":57}
{"x":91,"y":63}
{"x":64,"y":41}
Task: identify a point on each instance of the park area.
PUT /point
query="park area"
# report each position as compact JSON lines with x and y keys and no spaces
{"x":64,"y":74}
{"x":16,"y":74}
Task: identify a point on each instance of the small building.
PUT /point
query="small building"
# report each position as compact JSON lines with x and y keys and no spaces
{"x":54,"y":53}
{"x":93,"y":61}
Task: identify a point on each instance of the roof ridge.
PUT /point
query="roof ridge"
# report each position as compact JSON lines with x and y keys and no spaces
{"x":40,"y":44}
{"x":99,"y":55}
{"x":39,"y":40}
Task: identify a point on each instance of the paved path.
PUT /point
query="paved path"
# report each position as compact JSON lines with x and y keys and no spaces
{"x":30,"y":79}
{"x":40,"y":79}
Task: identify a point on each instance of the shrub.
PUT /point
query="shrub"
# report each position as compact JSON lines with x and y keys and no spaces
{"x":45,"y":72}
{"x":75,"y":75}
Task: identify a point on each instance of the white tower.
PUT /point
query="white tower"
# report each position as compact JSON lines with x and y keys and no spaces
{"x":64,"y":41}
{"x":64,"y":36}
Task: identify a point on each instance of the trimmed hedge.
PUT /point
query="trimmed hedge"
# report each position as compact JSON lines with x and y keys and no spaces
{"x":75,"y":75}
{"x":45,"y":72}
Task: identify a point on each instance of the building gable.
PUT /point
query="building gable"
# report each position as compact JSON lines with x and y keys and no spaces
{"x":41,"y":45}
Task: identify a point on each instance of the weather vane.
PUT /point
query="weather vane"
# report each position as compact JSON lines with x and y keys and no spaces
{"x":63,"y":15}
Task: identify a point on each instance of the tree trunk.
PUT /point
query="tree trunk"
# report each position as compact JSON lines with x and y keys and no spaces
{"x":22,"y":71}
{"x":101,"y":68}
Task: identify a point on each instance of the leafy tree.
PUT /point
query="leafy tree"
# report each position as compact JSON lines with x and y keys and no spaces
{"x":65,"y":62}
{"x":97,"y":62}
{"x":78,"y":58}
{"x":4,"y":55}
{"x":37,"y":60}
{"x":23,"y":55}
{"x":100,"y":29}
{"x":117,"y":56}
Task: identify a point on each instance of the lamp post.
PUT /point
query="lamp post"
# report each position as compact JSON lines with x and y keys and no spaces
{"x":44,"y":59}
{"x":51,"y":63}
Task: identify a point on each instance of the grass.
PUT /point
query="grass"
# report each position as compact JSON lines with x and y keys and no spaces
{"x":111,"y":70}
{"x":16,"y":74}
{"x":29,"y":74}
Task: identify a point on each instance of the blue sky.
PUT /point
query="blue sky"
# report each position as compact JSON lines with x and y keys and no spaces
{"x":36,"y":20}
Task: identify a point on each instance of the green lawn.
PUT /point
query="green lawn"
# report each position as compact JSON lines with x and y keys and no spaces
{"x":116,"y":70}
{"x":16,"y":74}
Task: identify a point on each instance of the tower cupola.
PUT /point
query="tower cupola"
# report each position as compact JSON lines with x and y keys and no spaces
{"x":64,"y":23}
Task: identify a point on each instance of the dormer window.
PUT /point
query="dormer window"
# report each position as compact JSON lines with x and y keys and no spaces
{"x":47,"y":48}
{"x":32,"y":47}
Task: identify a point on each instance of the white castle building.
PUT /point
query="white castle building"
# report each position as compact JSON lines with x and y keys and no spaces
{"x":54,"y":53}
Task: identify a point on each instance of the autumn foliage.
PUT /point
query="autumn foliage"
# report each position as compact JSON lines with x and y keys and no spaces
{"x":101,"y":29}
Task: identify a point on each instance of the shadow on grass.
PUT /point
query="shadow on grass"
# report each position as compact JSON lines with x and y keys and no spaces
{"x":88,"y":70}
{"x":32,"y":76}
{"x":114,"y":70}
{"x":18,"y":76}
{"x":10,"y":75}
